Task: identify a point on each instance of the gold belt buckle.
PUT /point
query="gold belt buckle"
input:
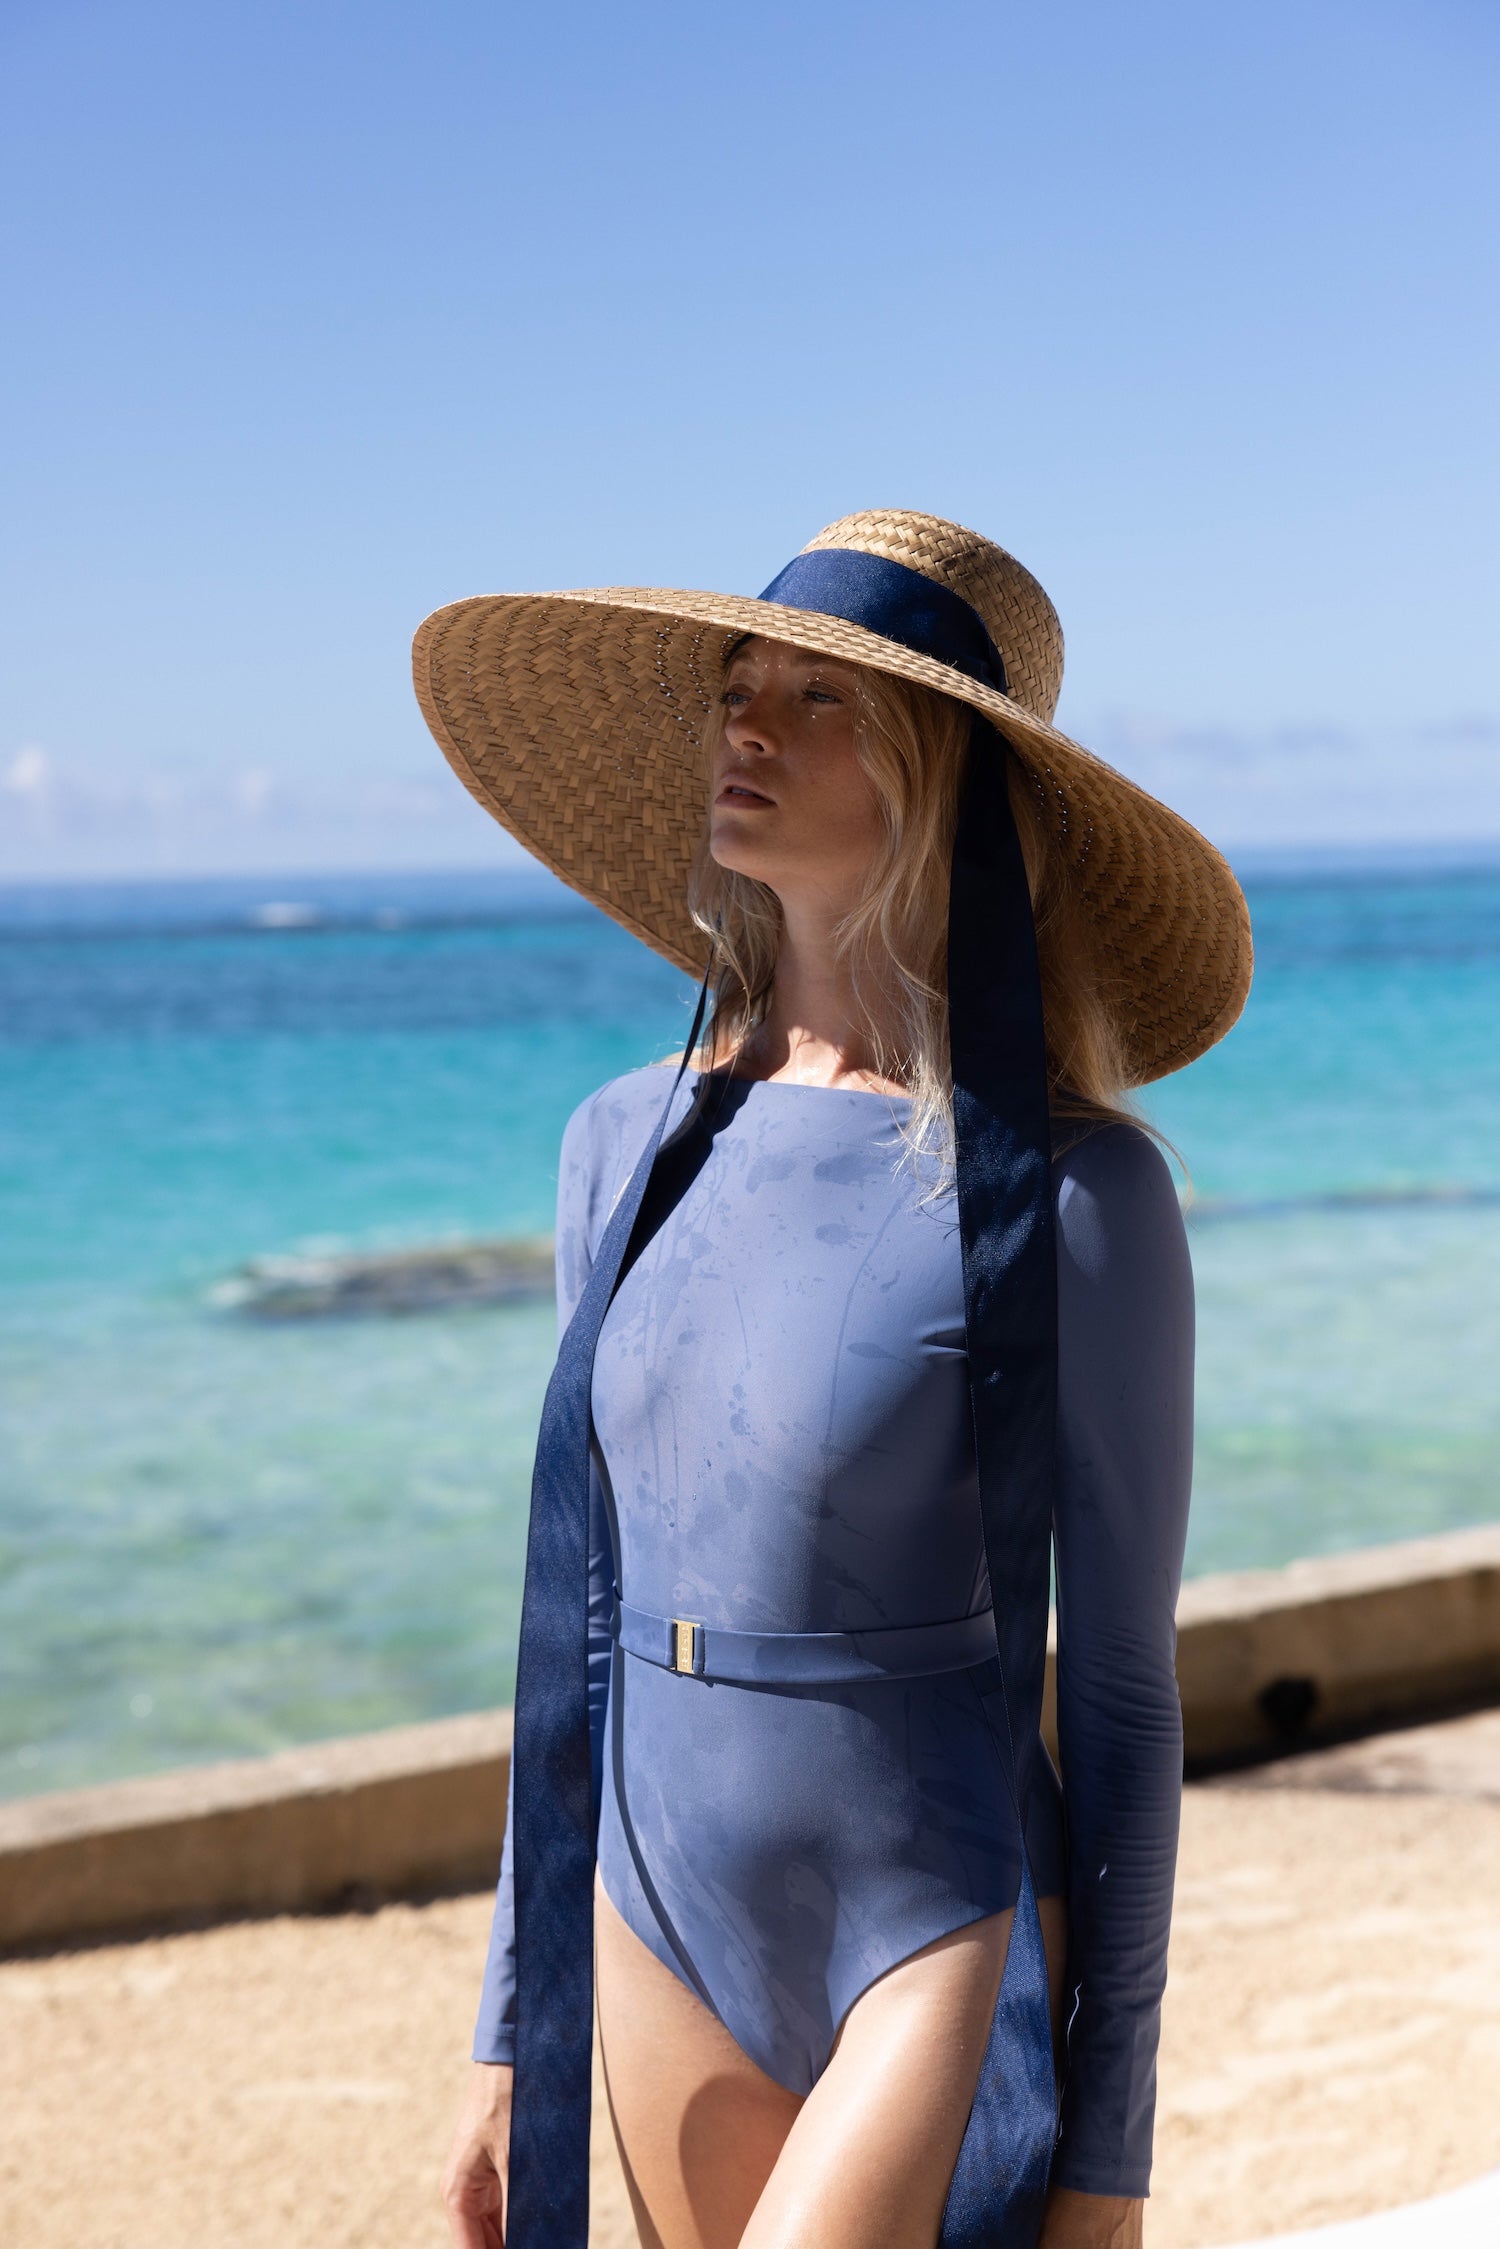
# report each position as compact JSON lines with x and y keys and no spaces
{"x":682,"y":1645}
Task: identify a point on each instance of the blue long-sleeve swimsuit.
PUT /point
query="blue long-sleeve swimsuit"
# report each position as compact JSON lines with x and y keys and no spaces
{"x":783,"y":1442}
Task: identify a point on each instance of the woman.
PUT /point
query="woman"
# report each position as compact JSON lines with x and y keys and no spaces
{"x":887,"y":1299}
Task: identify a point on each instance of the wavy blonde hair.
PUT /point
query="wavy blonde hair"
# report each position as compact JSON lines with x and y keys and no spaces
{"x":912,"y":743}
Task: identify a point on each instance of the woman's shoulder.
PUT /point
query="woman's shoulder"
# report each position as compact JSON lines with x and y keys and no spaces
{"x":613,"y":1123}
{"x":621,"y":1102}
{"x":1107,"y":1148}
{"x":1116,"y":1197}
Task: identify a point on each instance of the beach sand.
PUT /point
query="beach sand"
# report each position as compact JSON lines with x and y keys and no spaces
{"x":1331,"y":2040}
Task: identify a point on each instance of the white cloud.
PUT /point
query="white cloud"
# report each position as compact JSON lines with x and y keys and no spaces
{"x":28,"y":773}
{"x":253,"y":790}
{"x":60,"y":818}
{"x":1315,"y":783}
{"x":1299,"y":784}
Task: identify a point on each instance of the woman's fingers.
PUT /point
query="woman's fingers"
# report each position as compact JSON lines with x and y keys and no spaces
{"x":473,"y":2187}
{"x":474,"y":2198}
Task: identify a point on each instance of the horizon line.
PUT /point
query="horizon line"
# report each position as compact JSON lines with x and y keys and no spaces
{"x":1451,"y":854}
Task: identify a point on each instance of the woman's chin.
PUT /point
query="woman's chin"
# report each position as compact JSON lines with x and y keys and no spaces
{"x":737,"y":855}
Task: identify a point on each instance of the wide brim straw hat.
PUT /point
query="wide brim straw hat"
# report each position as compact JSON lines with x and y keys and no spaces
{"x":576,"y":718}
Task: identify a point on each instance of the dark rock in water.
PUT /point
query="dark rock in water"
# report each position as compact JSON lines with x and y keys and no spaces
{"x":414,"y":1280}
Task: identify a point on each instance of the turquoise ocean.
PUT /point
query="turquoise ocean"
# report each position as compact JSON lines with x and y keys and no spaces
{"x":220,"y":1535}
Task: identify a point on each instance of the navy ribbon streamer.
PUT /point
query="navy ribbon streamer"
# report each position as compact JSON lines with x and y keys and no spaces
{"x":1003,"y":1148}
{"x":556,"y":1816}
{"x":1003,"y":1141}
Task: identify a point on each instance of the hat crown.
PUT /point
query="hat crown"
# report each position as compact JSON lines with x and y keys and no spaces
{"x":1021,"y":620}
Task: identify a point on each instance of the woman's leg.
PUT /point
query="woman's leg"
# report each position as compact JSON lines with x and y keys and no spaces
{"x":716,"y":2153}
{"x":699,"y":2127}
{"x":871,"y":2155}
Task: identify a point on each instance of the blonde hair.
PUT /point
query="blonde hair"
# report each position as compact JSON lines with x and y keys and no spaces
{"x":912,"y":744}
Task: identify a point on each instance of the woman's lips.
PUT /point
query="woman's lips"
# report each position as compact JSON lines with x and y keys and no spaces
{"x":740,"y":792}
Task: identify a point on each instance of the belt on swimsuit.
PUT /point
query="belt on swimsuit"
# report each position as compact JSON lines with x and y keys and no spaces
{"x":792,"y":1659}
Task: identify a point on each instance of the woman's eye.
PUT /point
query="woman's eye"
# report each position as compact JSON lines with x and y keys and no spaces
{"x":824,"y":695}
{"x":736,"y":695}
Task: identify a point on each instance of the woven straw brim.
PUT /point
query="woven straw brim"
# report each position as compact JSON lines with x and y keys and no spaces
{"x":576,"y":720}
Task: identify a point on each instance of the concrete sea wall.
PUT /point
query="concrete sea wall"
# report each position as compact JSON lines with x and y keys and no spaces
{"x":1267,"y":1661}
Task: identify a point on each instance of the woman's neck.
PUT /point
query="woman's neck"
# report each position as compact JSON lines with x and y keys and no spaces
{"x":812,"y":1032}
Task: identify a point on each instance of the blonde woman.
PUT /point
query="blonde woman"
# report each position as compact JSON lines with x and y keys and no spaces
{"x":876,"y":1304}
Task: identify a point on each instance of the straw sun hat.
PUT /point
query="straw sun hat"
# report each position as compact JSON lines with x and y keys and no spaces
{"x":576,"y":720}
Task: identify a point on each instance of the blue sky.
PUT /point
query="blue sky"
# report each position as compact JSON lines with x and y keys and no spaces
{"x":321,"y":315}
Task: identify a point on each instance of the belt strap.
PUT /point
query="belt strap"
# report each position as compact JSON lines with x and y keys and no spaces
{"x":804,"y":1659}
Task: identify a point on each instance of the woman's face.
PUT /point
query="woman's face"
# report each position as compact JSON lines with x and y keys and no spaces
{"x":791,"y":805}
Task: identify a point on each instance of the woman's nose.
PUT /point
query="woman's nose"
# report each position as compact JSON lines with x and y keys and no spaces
{"x":751,"y":726}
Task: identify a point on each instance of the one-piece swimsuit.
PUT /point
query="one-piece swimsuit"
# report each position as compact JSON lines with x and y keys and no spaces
{"x":783,"y":1443}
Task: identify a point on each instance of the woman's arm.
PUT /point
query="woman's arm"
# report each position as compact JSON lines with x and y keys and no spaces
{"x":1125,"y":1429}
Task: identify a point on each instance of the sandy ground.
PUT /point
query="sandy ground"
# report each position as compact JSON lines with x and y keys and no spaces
{"x":1331,"y":2041}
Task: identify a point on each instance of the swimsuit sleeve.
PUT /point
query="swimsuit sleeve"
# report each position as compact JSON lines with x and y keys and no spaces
{"x":581,"y":1213}
{"x":1125,"y":1430}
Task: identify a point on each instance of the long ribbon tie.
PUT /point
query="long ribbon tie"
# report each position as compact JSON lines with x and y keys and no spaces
{"x":1006,"y":1227}
{"x":555,"y":1814}
{"x":1003,"y":1147}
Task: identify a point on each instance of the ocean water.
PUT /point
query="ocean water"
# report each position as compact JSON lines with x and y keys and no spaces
{"x":220,"y":1536}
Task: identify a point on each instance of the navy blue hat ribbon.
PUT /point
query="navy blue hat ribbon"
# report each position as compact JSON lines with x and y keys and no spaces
{"x":899,"y":604}
{"x":1005,"y":1209}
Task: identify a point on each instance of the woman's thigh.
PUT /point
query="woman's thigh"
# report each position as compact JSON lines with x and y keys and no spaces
{"x":871,"y":2154}
{"x":717,"y":2154}
{"x":699,"y":2127}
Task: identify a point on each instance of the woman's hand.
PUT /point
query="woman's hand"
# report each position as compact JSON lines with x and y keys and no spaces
{"x":474,"y":2178}
{"x":1091,"y":2221}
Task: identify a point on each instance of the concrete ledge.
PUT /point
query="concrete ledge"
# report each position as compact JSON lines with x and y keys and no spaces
{"x":1266,"y":1661}
{"x":410,"y":1810}
{"x":1349,"y":1643}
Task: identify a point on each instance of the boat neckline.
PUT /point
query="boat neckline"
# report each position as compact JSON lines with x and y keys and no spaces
{"x":799,"y":1085}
